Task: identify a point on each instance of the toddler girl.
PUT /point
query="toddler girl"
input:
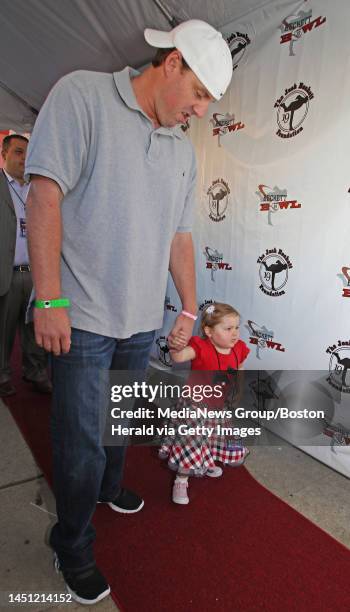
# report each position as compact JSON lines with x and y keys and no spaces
{"x":219,"y":348}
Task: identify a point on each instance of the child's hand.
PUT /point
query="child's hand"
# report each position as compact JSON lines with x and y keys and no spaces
{"x":181,"y":332}
{"x":181,"y":339}
{"x":178,"y":342}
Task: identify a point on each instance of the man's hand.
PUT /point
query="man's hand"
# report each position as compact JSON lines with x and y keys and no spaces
{"x":52,"y":329}
{"x":180,"y":333}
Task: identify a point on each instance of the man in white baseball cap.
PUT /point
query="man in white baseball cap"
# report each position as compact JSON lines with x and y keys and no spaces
{"x":204,"y":50}
{"x":193,"y":67}
{"x":109,"y":213}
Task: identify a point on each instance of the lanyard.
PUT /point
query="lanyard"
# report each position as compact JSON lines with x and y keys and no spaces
{"x":16,"y":192}
{"x":229,"y":370}
{"x":218,"y":358}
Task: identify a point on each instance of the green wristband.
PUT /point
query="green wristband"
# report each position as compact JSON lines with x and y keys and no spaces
{"x":60,"y":303}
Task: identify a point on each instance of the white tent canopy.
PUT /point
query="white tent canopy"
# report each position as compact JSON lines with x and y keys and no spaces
{"x":41,"y":40}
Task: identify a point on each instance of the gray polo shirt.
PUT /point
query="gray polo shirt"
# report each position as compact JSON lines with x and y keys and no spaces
{"x":128,"y":188}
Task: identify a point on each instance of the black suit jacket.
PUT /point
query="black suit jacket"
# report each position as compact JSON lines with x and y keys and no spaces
{"x":8,"y":231}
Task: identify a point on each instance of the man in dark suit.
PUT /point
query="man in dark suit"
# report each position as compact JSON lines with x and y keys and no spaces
{"x":15,"y":277}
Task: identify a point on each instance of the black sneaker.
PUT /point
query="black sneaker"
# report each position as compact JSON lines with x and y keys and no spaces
{"x":87,"y":586}
{"x":126,"y":502}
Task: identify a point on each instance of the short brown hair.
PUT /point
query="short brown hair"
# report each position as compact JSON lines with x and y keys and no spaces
{"x":7,"y":140}
{"x":162,"y":54}
{"x":210,"y":319}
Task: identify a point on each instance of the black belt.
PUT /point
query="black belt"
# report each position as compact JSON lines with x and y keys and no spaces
{"x":22,"y":268}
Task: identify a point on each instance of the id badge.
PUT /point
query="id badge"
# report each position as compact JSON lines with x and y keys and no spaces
{"x":23,"y":228}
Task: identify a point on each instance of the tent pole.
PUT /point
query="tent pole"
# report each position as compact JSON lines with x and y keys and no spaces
{"x":14,"y":95}
{"x":172,"y":20}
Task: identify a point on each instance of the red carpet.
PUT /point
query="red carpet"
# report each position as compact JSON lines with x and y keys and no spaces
{"x":235,"y":547}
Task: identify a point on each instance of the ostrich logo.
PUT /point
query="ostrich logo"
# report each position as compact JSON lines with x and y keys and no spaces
{"x":238,"y":43}
{"x":262,"y":338}
{"x":222,"y":124}
{"x":185,"y":126}
{"x":215,"y":261}
{"x":163,"y":351}
{"x":292,"y":109}
{"x":274,"y":200}
{"x":345,"y":278}
{"x":339,"y":366}
{"x":273,"y":272}
{"x":340,"y":436}
{"x":263,"y":390}
{"x":204,"y":304}
{"x":168,"y":305}
{"x":218,"y":194}
{"x":294,"y":27}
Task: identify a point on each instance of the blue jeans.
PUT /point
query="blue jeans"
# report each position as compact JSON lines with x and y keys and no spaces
{"x":84,"y":470}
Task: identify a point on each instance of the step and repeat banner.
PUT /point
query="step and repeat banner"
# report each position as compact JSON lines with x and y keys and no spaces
{"x":271,"y":230}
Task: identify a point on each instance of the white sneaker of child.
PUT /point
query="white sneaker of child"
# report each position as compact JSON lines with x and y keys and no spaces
{"x":180,"y":491}
{"x":214,"y":472}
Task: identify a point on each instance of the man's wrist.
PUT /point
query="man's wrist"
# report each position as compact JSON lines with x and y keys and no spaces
{"x":50,"y":294}
{"x":190,"y":307}
{"x":189,"y":315}
{"x":55,"y":303}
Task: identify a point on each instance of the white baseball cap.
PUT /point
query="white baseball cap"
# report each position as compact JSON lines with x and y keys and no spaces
{"x":204,"y":50}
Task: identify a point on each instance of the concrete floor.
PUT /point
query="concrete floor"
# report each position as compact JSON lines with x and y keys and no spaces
{"x":27,"y":509}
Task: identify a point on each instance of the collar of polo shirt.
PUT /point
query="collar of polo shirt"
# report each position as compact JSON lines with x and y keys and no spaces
{"x":122,"y":82}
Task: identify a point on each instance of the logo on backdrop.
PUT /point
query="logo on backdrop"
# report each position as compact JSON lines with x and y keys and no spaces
{"x":292,"y":109}
{"x":262,"y":338}
{"x":168,"y":305}
{"x":340,"y":436}
{"x":345,"y":278}
{"x":204,"y":304}
{"x":215,"y":261}
{"x":273,"y":272}
{"x":263,"y":390}
{"x":295,"y":26}
{"x":163,"y":351}
{"x":218,"y":200}
{"x":185,"y":126}
{"x":339,"y":365}
{"x":238,"y":43}
{"x":223,"y":124}
{"x":274,"y":200}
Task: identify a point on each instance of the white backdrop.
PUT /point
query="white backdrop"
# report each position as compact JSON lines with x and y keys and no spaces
{"x":272,"y":223}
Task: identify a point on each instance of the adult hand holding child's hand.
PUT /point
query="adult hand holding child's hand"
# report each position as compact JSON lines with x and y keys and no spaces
{"x":180,"y":333}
